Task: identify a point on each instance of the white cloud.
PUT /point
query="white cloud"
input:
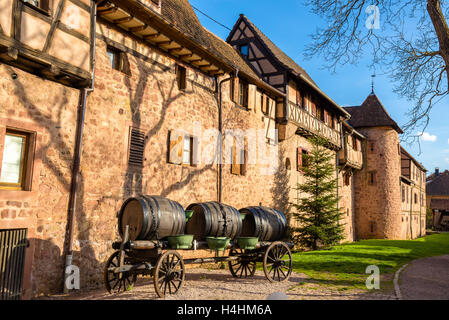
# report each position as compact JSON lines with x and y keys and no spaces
{"x":425,"y":136}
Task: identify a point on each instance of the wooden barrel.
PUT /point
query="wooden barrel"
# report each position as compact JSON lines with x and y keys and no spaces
{"x":265,"y":223}
{"x":213,"y":219}
{"x":151,"y":218}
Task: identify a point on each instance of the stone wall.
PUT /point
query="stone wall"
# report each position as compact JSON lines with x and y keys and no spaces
{"x":48,"y":111}
{"x":148,"y":99}
{"x":378,"y":206}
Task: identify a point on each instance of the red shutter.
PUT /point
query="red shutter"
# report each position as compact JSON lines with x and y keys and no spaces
{"x":326,"y":117}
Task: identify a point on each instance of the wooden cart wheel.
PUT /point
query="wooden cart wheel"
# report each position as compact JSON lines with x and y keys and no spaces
{"x":277,"y":262}
{"x":243,"y":267}
{"x":117,"y":282}
{"x":169,"y":273}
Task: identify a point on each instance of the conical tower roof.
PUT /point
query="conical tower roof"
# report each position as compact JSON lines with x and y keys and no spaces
{"x":371,"y":114}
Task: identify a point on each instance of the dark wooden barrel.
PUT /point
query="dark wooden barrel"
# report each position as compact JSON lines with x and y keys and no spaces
{"x":151,"y":218}
{"x":213,"y":219}
{"x":265,"y":223}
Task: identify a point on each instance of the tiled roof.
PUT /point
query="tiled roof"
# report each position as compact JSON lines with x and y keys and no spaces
{"x":439,"y":185}
{"x":439,"y":204}
{"x":371,"y":114}
{"x":408,"y":155}
{"x":278,"y":53}
{"x":180,"y":14}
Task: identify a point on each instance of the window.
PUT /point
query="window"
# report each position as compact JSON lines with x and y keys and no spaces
{"x":302,"y":159}
{"x":372,"y":178}
{"x":288,"y":165}
{"x":243,"y":93}
{"x":244,"y":49}
{"x":372,"y":226}
{"x":354,"y":143}
{"x":406,"y":194}
{"x":136,"y":148}
{"x":40,"y":4}
{"x":298,"y":98}
{"x":181,"y":77}
{"x":118,"y":60}
{"x":416,"y":198}
{"x":187,"y":154}
{"x":403,"y":194}
{"x":263,"y":105}
{"x":347,"y":178}
{"x":14,"y":169}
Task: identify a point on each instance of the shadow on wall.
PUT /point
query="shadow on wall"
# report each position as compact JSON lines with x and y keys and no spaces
{"x":136,"y":89}
{"x":281,"y":187}
{"x":48,"y":262}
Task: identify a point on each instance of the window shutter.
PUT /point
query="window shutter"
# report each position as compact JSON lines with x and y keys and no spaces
{"x":264,"y":104}
{"x":252,"y":89}
{"x":176,"y":147}
{"x":136,"y":147}
{"x":235,"y":167}
{"x":298,"y":159}
{"x":236,"y":90}
{"x":326,"y":117}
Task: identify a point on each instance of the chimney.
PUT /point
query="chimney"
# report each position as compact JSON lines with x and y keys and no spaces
{"x":437,"y":172}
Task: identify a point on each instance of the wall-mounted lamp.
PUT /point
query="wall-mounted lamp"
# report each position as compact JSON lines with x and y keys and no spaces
{"x":14,"y":76}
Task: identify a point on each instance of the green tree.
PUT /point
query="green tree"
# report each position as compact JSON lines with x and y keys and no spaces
{"x":317,"y":212}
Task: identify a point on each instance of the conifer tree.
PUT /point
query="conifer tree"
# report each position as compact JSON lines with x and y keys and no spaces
{"x":317,"y":210}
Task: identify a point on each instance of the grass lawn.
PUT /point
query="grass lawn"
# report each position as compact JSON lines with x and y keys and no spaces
{"x":344,"y":265}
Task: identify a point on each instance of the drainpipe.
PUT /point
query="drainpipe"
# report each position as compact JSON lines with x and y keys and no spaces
{"x":77,"y":154}
{"x":220,"y":129}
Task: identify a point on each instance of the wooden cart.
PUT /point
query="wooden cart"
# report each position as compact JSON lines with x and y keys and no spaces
{"x":167,"y":267}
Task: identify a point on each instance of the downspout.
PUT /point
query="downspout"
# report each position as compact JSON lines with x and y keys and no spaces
{"x":77,"y":154}
{"x":220,"y":129}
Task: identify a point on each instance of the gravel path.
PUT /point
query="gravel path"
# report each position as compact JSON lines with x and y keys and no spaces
{"x":217,"y":284}
{"x":426,"y":279}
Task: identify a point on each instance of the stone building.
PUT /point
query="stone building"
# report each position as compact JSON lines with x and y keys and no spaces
{"x":389,"y":191}
{"x":102,"y":100}
{"x":437,"y":191}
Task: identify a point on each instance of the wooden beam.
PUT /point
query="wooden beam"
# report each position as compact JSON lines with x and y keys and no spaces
{"x":217,"y":72}
{"x":204,"y":65}
{"x":9,"y":54}
{"x":185,"y":56}
{"x":108,"y":11}
{"x":209,"y":68}
{"x":137,"y":29}
{"x":123,"y":20}
{"x":163,"y":43}
{"x":54,"y":25}
{"x":152,"y":36}
{"x":173,"y":50}
{"x":52,"y":71}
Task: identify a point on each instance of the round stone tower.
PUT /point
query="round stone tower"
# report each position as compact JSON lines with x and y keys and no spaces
{"x":377,"y":186}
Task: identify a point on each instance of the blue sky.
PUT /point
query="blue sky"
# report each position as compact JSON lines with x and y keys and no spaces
{"x":289,"y":26}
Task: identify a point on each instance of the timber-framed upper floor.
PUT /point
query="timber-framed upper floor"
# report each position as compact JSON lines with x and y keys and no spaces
{"x":49,"y":38}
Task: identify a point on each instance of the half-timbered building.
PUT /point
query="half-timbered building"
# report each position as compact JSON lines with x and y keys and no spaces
{"x":101,"y":100}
